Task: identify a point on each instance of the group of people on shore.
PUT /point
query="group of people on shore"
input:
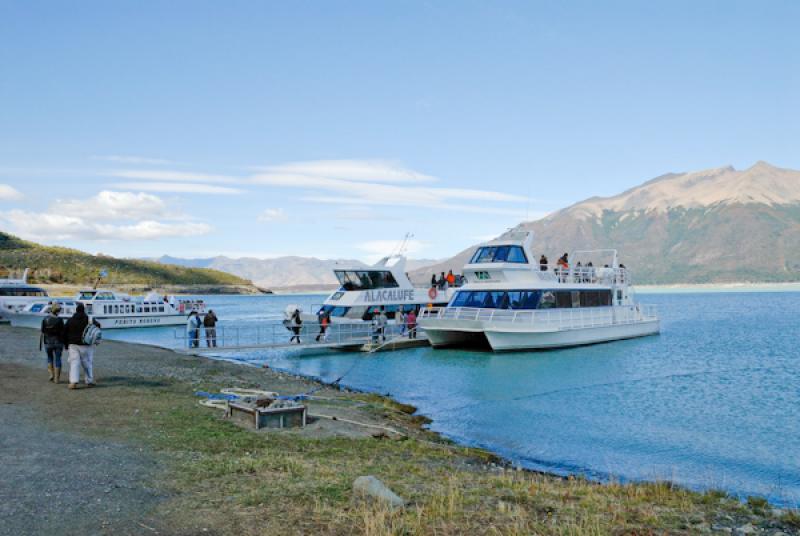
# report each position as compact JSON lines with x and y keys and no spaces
{"x":443,"y":282}
{"x":78,"y":336}
{"x":208,"y":323}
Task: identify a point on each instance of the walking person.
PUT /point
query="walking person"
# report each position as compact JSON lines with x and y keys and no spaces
{"x":53,"y":339}
{"x":411,"y":322}
{"x":400,"y":320}
{"x":296,"y":325}
{"x":193,"y":324}
{"x":210,"y":327}
{"x":81,"y":351}
{"x":324,"y":322}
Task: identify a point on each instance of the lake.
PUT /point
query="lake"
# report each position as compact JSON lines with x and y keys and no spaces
{"x":712,"y":402}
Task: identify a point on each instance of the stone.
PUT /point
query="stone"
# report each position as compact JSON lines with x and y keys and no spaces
{"x":370,"y":487}
{"x":745,"y":529}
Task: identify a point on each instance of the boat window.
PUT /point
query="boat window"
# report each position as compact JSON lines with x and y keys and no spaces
{"x":564,"y":300}
{"x":335,"y":311}
{"x":22,"y":291}
{"x":365,"y":279}
{"x":499,"y":254}
{"x":37,"y":307}
{"x":86,"y":295}
{"x":116,"y":309}
{"x":160,"y":308}
{"x":548,"y":300}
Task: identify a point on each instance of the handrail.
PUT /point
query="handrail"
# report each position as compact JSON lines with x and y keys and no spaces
{"x":549,"y":318}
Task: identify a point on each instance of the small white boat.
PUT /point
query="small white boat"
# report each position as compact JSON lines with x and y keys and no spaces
{"x":511,"y":303}
{"x":384,"y":286}
{"x":15,"y":294}
{"x":112,"y":309}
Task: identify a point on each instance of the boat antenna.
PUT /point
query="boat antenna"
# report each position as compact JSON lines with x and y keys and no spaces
{"x":403,"y":247}
{"x":103,"y":273}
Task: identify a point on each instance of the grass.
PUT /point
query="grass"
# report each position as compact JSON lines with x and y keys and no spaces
{"x":233,"y":481}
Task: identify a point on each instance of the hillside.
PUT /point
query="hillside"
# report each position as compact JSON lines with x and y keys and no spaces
{"x":713,"y":226}
{"x":49,"y":264}
{"x":290,"y":272}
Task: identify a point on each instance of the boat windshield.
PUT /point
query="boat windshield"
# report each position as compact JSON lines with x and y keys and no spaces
{"x":499,"y":254}
{"x":365,"y":279}
{"x":531,"y":299}
{"x":22,"y":291}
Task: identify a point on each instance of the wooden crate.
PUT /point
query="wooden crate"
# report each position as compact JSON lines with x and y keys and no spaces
{"x":253,"y":417}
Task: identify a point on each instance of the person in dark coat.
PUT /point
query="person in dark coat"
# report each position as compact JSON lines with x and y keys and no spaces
{"x":81,"y":355}
{"x":210,"y":327}
{"x":53,"y":340}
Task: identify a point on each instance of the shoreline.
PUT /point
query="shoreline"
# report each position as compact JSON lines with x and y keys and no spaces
{"x":299,"y":481}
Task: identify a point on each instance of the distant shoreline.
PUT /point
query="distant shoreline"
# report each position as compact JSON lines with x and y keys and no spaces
{"x":718,"y":287}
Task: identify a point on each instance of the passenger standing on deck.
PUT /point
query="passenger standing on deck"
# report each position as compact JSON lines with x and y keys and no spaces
{"x":411,"y":322}
{"x":442,"y":282}
{"x":53,"y":339}
{"x":210,"y":327}
{"x":543,"y":263}
{"x":400,"y":320}
{"x":451,"y":279}
{"x":81,"y":355}
{"x":433,"y":281}
{"x":193,"y":324}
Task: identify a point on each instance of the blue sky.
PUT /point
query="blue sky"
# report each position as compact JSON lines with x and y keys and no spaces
{"x":331,"y":128}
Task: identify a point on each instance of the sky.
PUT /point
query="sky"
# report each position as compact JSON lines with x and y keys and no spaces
{"x":333,"y":128}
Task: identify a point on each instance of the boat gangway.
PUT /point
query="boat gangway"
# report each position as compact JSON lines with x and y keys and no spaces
{"x":359,"y":337}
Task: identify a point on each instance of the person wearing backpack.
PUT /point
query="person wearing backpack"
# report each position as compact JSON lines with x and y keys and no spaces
{"x":53,"y":339}
{"x":81,"y":351}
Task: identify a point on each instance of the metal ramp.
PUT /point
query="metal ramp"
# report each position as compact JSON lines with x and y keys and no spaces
{"x":364,"y":337}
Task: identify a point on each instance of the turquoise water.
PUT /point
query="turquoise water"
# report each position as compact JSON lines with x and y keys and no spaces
{"x":713,"y":401}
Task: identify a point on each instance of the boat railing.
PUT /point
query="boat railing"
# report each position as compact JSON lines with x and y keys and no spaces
{"x":582,"y":317}
{"x":275,"y":335}
{"x":587,"y":275}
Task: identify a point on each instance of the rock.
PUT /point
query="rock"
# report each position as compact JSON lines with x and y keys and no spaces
{"x":745,"y":529}
{"x":369,"y":486}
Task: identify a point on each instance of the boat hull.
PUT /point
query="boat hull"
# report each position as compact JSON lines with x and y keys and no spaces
{"x":502,"y":337}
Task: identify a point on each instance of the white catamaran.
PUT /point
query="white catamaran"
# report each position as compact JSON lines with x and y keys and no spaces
{"x":510,"y":302}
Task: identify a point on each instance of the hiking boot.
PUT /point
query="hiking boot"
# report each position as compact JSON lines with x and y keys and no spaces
{"x":91,"y":385}
{"x":50,"y":371}
{"x":73,"y":386}
{"x":57,"y":375}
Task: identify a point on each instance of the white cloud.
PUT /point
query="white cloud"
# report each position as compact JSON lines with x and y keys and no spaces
{"x":9,"y":193}
{"x":109,"y":205}
{"x":272,"y":214}
{"x":350,"y":170}
{"x":126,"y":159}
{"x":56,"y":226}
{"x":377,"y":249}
{"x":188,"y":188}
{"x":171,"y":176}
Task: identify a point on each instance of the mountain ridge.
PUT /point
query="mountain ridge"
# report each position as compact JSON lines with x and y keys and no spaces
{"x":718,"y":225}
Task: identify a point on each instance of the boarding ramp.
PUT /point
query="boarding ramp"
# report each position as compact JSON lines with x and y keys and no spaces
{"x":346,"y":336}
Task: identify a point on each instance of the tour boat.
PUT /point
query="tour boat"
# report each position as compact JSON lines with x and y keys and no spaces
{"x":113,"y":309}
{"x":15,"y":294}
{"x":385,"y":285}
{"x":511,"y":302}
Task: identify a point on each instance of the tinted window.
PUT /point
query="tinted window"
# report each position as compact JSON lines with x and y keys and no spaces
{"x":365,"y":280}
{"x":564,"y":300}
{"x":499,"y":254}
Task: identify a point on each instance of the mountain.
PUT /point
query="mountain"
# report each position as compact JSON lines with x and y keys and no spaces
{"x":713,"y":226}
{"x":299,"y":273}
{"x":62,"y":265}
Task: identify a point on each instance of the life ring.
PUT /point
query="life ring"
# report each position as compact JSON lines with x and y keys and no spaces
{"x":432,"y":293}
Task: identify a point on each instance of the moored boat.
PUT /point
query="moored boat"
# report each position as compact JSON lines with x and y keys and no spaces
{"x":112,"y":309}
{"x":511,"y":302}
